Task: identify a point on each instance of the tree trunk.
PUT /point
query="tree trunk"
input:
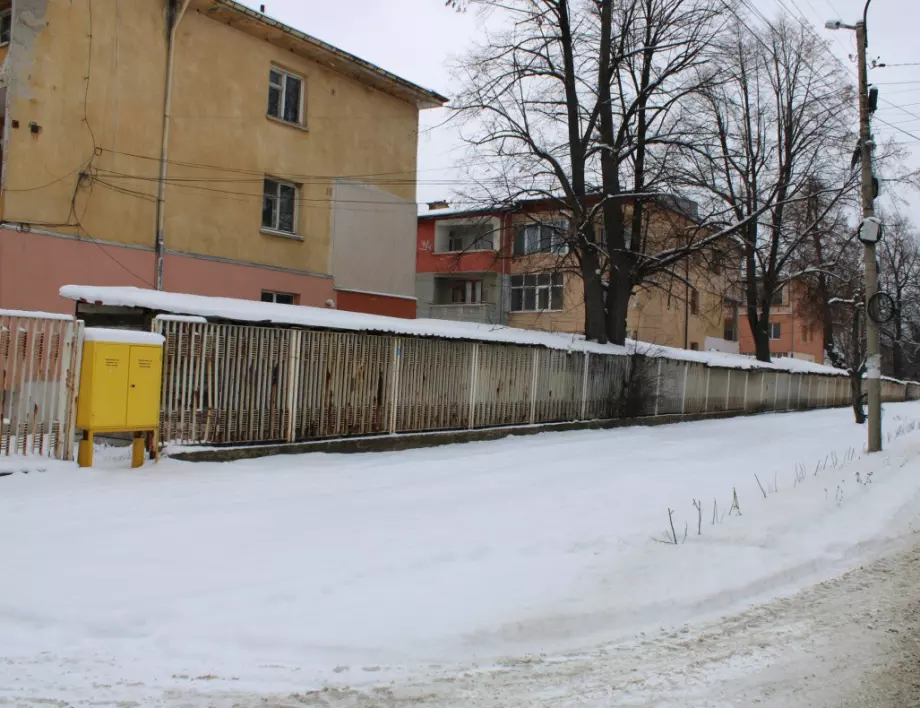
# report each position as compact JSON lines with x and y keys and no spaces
{"x":760,"y":331}
{"x":595,"y":329}
{"x":897,"y":355}
{"x":856,"y":397}
{"x":827,"y":318}
{"x":619,"y":292}
{"x":857,"y":369}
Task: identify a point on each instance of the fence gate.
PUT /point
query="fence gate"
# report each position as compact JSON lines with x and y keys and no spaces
{"x":39,"y":369}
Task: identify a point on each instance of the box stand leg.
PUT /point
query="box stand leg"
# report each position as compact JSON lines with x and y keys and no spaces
{"x":138,"y":453}
{"x":85,"y":450}
{"x":153,"y":444}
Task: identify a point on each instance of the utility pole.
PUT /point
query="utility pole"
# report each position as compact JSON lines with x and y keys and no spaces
{"x":870,"y":265}
{"x":873,"y":355}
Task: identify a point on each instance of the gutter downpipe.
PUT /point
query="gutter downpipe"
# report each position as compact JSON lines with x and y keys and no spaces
{"x":159,"y":244}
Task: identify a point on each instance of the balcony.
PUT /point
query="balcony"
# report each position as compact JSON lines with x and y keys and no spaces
{"x":481,"y":312}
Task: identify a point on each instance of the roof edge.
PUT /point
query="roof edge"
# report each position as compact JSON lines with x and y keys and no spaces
{"x":424,"y":98}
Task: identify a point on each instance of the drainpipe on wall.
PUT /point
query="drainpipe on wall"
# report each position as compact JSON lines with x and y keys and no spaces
{"x":172,"y":22}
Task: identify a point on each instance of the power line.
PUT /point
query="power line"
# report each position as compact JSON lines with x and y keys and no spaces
{"x":899,"y":129}
{"x":261,"y":173}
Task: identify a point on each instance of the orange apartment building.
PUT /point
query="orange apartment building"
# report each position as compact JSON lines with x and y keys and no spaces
{"x":506,"y":266}
{"x":794,"y":332}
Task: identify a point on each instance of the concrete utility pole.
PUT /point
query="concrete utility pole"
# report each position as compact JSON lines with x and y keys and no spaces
{"x":873,"y":355}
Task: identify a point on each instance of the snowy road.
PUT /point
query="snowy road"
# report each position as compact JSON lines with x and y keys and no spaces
{"x":520,"y":572}
{"x":850,"y":642}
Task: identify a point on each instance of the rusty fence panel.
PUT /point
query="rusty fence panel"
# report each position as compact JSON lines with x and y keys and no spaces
{"x":668,"y":386}
{"x":345,"y":384}
{"x":695,"y":387}
{"x":224,"y":383}
{"x":433,"y":384}
{"x":559,"y":383}
{"x":39,"y":375}
{"x":503,"y":385}
{"x":605,"y":386}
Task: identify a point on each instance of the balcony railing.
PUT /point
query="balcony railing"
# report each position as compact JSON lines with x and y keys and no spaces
{"x":483,"y":312}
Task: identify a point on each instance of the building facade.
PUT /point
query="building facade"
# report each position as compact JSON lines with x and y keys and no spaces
{"x":510,"y":266}
{"x":202,"y":147}
{"x":794,"y":330}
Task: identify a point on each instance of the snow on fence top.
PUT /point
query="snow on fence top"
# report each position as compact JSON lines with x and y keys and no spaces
{"x":183,"y":318}
{"x":121,"y":336}
{"x":35,"y":314}
{"x":268,"y":313}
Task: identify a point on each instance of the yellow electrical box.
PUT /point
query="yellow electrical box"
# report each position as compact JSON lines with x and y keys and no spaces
{"x":119,"y":387}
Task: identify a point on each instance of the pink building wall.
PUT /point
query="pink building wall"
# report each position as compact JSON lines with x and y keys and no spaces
{"x":33,"y":267}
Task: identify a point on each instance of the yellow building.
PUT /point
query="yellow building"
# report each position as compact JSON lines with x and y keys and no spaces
{"x":200,"y":146}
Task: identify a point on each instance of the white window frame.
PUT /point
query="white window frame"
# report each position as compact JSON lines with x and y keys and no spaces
{"x":774,"y":331}
{"x":274,"y":229}
{"x":486,"y":242}
{"x":300,"y":107}
{"x":6,"y":17}
{"x":533,"y":235}
{"x":537,"y":288}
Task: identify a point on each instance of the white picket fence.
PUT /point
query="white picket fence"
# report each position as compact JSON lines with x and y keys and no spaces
{"x":39,"y":371}
{"x":228,"y":383}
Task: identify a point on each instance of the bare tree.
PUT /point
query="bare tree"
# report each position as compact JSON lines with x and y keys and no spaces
{"x":655,"y":54}
{"x":581,"y":104}
{"x":899,"y":276}
{"x":777,"y":120}
{"x":834,"y":280}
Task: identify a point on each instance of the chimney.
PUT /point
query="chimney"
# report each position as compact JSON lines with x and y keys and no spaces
{"x":262,"y":9}
{"x":440,"y":204}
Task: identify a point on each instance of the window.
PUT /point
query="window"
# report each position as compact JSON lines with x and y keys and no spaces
{"x":476,"y":237}
{"x":778,"y":296}
{"x":279,"y":206}
{"x":546,"y":237}
{"x":728,"y":330}
{"x":694,"y":346}
{"x":285,"y":96}
{"x":535,"y":293}
{"x":694,"y":302}
{"x":278,"y":298}
{"x":773,"y":330}
{"x":6,"y":24}
{"x":466,"y":291}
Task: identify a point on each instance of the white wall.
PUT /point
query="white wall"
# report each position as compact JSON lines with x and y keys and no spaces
{"x":373,"y":240}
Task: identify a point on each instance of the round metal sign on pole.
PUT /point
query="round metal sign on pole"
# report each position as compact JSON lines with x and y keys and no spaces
{"x":881,"y":308}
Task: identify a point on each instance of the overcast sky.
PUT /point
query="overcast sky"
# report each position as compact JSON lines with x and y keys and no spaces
{"x":416,"y":39}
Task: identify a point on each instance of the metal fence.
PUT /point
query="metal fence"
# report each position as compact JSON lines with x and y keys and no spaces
{"x":39,"y":369}
{"x":247,"y":384}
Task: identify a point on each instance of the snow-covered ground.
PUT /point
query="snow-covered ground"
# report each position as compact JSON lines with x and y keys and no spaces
{"x":213,"y":584}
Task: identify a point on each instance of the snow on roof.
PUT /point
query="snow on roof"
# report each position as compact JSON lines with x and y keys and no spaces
{"x":121,"y":336}
{"x":468,"y":210}
{"x":269,"y":313}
